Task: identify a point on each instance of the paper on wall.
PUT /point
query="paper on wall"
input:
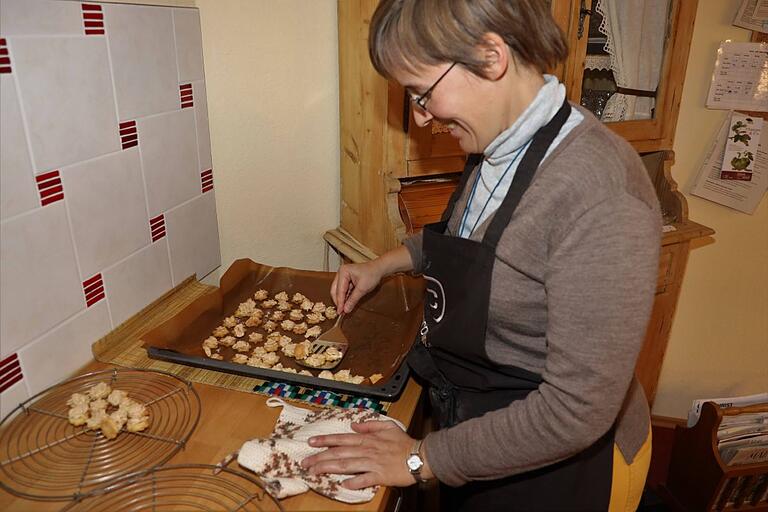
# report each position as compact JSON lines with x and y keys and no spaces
{"x":740,"y":78}
{"x":753,"y":15}
{"x":743,"y":196}
{"x":741,"y":146}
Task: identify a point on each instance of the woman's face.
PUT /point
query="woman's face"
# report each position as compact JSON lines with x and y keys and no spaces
{"x":464,"y":102}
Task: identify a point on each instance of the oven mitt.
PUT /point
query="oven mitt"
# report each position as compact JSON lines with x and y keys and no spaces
{"x":277,"y":460}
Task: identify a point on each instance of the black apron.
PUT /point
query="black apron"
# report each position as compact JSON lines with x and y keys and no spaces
{"x":464,"y":383}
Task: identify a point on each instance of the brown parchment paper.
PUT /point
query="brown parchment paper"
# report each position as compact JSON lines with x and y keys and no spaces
{"x":380,"y":330}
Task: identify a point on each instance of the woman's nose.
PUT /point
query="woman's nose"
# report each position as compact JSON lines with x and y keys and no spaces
{"x":422,"y":117}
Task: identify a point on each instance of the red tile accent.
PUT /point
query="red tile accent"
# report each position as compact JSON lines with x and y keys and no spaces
{"x":185,"y":94}
{"x":12,"y":379}
{"x":47,"y":176}
{"x":94,"y":279}
{"x":93,"y":288}
{"x":157,"y":227}
{"x":10,"y":372}
{"x":206,"y":180}
{"x":129,"y":135}
{"x":49,"y":187}
{"x":93,"y":20}
{"x":48,"y":192}
{"x":5,"y":60}
{"x":6,"y":362}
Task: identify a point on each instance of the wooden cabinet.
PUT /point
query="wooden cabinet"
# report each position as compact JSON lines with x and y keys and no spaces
{"x":395,"y":176}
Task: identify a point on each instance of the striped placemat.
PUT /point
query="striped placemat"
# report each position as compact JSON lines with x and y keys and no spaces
{"x":123,"y":347}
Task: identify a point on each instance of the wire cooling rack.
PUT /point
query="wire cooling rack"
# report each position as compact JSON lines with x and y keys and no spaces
{"x":44,"y":457}
{"x":189,"y":487}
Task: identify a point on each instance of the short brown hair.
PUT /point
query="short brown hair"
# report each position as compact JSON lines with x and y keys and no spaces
{"x":415,"y":32}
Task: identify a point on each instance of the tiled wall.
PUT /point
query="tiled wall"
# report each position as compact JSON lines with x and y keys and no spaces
{"x":107,"y":182}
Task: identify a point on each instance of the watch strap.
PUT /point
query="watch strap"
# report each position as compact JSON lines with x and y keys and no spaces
{"x":416,"y":450}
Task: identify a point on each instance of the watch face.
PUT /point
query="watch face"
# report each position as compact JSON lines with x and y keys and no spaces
{"x":414,"y":462}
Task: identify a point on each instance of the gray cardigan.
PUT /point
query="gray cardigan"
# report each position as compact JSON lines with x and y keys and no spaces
{"x":571,"y":294}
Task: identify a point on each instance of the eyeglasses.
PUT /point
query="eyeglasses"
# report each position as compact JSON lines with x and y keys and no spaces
{"x":421,"y":101}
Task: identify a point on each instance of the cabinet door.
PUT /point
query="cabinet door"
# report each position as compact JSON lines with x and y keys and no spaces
{"x":431,"y":149}
{"x":627,"y":64}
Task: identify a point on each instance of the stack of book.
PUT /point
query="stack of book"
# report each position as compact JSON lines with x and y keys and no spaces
{"x":742,"y":438}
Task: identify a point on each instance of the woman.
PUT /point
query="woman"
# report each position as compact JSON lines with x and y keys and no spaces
{"x":540,"y":278}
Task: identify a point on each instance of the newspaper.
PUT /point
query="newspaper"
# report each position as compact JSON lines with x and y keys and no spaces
{"x":753,"y":15}
{"x":724,"y":403}
{"x":744,"y":196}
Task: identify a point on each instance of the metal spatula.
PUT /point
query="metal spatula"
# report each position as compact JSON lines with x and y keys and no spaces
{"x":332,"y":338}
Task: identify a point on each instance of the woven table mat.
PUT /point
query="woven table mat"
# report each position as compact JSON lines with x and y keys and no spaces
{"x":123,"y":347}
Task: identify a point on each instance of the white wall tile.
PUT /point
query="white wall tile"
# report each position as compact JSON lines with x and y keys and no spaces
{"x":40,"y":282}
{"x":17,"y":185}
{"x":107,"y":209}
{"x":169,"y":159}
{"x":40,"y":17}
{"x":62,"y":351}
{"x":12,"y":397}
{"x":66,"y":91}
{"x":193,"y":236}
{"x":189,"y":44}
{"x":201,"y":118}
{"x":143,"y":53}
{"x":137,"y":281}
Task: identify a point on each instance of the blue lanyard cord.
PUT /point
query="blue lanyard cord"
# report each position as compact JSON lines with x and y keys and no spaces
{"x":474,"y":187}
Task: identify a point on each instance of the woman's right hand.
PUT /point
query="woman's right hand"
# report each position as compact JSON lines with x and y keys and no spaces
{"x":353,"y":281}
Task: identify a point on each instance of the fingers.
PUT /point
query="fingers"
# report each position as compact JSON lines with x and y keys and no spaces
{"x":354,"y":298}
{"x":339,"y":452}
{"x":340,"y":287}
{"x":369,"y":427}
{"x":344,"y":466}
{"x":335,"y":440}
{"x":333,"y":288}
{"x":361,"y":481}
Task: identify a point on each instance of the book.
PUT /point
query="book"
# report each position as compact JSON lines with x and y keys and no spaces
{"x":745,"y":455}
{"x":741,"y":431}
{"x":746,"y":440}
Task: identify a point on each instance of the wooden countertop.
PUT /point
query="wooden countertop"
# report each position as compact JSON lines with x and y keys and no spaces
{"x":228,"y":419}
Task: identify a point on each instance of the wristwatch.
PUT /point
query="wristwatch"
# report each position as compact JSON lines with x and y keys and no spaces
{"x":415,"y":462}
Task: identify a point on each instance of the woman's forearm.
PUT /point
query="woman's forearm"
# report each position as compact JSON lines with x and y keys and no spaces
{"x":393,"y":261}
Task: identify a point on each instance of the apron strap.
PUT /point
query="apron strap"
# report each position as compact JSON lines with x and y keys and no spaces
{"x":472,"y":161}
{"x":525,"y":173}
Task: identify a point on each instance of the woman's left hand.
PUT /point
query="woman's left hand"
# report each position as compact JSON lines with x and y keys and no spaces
{"x":376,"y":454}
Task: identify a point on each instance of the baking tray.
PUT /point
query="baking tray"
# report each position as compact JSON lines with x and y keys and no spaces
{"x":380,"y":330}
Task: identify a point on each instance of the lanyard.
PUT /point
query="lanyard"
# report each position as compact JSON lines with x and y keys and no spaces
{"x":464,"y":217}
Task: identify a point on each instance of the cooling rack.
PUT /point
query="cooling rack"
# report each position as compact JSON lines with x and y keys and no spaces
{"x":44,"y":457}
{"x":189,"y":487}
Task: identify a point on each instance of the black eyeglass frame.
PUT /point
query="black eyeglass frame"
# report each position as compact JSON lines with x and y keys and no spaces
{"x":421,"y":101}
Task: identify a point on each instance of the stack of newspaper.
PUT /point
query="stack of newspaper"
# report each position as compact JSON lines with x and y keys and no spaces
{"x":742,"y":438}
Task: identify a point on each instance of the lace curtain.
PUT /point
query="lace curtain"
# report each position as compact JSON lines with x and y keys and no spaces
{"x":636,"y":30}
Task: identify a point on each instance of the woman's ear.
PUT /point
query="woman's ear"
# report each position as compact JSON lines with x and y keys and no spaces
{"x":495,"y":54}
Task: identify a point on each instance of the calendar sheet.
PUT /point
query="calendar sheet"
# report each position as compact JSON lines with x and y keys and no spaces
{"x":740,"y":79}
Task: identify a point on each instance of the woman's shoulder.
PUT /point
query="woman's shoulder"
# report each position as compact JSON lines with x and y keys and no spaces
{"x":593,"y":164}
